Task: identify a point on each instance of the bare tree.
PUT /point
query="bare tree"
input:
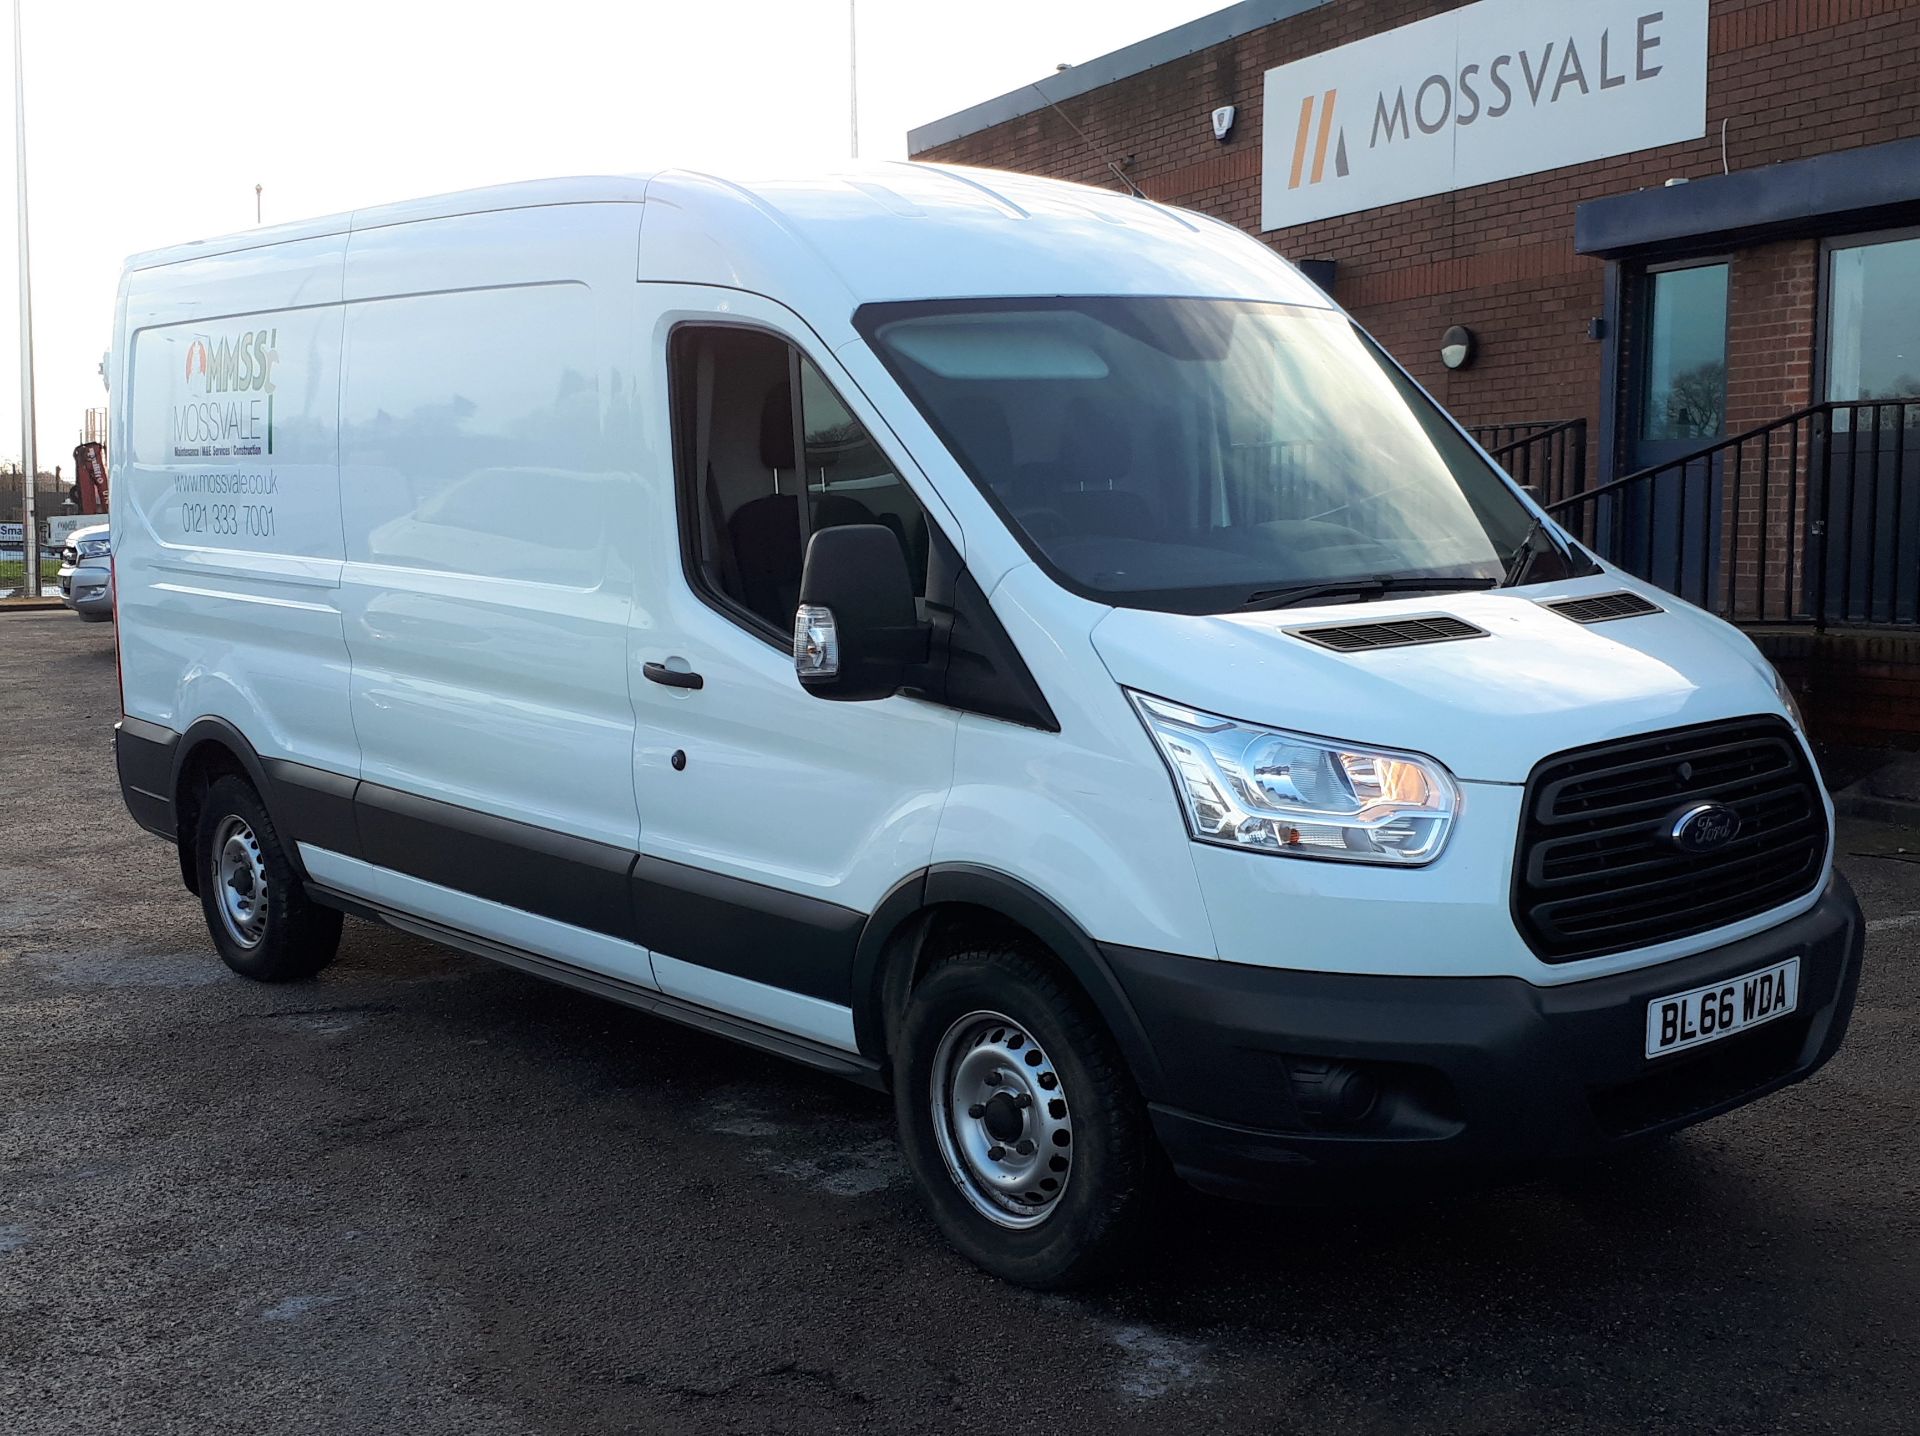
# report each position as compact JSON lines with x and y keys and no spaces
{"x":1695,"y":401}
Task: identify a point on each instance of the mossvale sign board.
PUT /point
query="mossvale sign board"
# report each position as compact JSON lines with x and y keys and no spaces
{"x":1490,"y":91}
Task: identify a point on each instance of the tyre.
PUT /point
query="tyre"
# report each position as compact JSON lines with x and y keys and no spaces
{"x":263,"y":924}
{"x":1021,"y":1124}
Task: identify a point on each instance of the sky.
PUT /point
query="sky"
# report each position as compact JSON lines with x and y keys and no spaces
{"x":149,"y":122}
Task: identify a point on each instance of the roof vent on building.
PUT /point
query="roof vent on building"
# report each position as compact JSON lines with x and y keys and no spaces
{"x":1388,"y":633}
{"x":1603,"y":606}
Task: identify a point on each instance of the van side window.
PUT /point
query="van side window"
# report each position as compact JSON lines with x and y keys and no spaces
{"x":850,"y":481}
{"x":758,"y":473}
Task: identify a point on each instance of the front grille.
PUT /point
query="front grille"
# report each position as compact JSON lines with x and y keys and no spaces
{"x":1603,"y":607}
{"x":1400,"y":633}
{"x":1596,"y":871}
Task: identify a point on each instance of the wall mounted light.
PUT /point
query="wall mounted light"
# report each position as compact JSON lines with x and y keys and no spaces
{"x":1457,"y":346}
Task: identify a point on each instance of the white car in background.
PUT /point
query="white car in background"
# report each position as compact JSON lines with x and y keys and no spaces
{"x":86,"y":573}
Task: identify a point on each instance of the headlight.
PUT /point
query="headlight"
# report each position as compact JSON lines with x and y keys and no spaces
{"x":1277,"y":792}
{"x":94,"y":548}
{"x":1787,"y":699}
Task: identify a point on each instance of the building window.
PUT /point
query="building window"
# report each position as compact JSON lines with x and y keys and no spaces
{"x":1683,"y":387}
{"x":1873,"y":319}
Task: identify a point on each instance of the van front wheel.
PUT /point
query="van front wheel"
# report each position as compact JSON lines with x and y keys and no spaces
{"x":263,"y":924}
{"x":1020,"y":1122}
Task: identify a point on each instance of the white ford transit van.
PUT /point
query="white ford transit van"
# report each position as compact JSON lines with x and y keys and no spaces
{"x":1011,"y":644}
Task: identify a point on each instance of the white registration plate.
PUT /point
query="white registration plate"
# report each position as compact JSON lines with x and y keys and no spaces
{"x":1706,"y":1014}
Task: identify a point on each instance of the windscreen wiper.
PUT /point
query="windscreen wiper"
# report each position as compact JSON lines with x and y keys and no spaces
{"x":1523,"y":554}
{"x":1376,"y":587}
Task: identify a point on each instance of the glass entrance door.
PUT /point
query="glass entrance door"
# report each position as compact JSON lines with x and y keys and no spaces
{"x":1867,"y":493}
{"x":1682,"y":393}
{"x":1679,"y":401}
{"x":1873,"y":320}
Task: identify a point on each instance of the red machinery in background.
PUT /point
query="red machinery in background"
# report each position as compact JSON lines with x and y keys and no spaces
{"x":90,"y":477}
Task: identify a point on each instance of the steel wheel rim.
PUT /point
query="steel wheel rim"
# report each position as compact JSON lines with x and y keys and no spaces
{"x":1002,"y":1120}
{"x":240,"y":881}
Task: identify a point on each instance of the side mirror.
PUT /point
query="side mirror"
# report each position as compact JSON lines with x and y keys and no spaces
{"x":856,"y":634}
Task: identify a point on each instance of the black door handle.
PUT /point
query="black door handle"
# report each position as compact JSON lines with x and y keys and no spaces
{"x":672,"y":677}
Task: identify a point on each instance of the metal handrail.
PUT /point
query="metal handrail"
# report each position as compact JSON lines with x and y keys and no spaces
{"x":1545,"y":453}
{"x":1544,"y":429}
{"x":1640,"y":475}
{"x":1800,"y":520}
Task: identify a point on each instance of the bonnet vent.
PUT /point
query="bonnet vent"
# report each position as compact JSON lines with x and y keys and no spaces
{"x":1603,"y":606}
{"x":1392,"y":633}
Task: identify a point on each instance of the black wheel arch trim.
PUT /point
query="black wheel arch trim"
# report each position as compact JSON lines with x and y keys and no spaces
{"x":208,"y":732}
{"x":219,"y":732}
{"x":893,"y":923}
{"x":143,"y":760}
{"x":878,"y":980}
{"x":307,"y":804}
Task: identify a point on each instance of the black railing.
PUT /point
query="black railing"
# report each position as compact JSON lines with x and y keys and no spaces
{"x":1549,"y":456}
{"x":1813,"y":518}
{"x":1498,"y":436}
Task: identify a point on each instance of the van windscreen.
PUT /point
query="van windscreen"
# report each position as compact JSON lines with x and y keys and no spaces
{"x":1197,"y":455}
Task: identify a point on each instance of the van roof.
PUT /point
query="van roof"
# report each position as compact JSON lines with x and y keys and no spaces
{"x":892,"y":230}
{"x":523,"y":194}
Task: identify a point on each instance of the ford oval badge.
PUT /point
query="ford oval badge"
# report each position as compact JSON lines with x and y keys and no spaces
{"x":1705,"y":828}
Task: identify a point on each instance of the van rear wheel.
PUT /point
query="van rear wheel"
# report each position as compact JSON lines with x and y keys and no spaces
{"x":264,"y":925}
{"x":1020,"y":1122}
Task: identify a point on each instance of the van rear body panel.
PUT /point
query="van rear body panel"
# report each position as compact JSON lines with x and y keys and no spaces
{"x":228,"y":513}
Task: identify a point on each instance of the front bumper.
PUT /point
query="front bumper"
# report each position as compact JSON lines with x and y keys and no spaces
{"x":88,"y":590}
{"x":1477,"y":1076}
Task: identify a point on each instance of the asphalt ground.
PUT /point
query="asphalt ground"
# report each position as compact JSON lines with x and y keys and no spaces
{"x":428,"y":1194}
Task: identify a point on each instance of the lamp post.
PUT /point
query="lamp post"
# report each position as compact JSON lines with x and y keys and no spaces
{"x":29,"y":460}
{"x":853,"y":78}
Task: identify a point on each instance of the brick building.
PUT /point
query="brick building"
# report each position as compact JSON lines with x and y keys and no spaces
{"x":1686,"y":246}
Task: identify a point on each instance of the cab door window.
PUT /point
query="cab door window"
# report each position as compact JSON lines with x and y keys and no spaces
{"x":849,"y":480}
{"x":759,"y":473}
